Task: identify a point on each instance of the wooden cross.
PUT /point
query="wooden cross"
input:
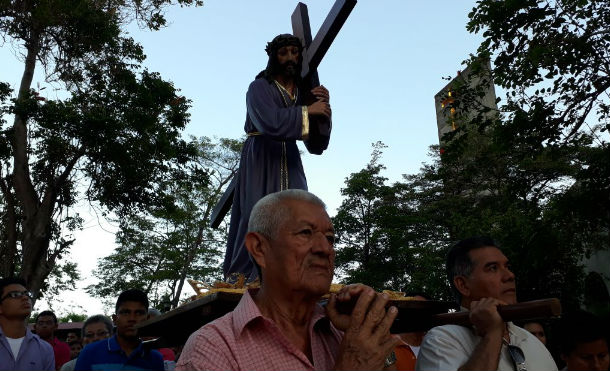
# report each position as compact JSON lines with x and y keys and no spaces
{"x":313,"y":52}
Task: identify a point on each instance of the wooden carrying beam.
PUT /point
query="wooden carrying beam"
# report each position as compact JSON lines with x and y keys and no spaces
{"x":537,"y":309}
{"x":174,"y":327}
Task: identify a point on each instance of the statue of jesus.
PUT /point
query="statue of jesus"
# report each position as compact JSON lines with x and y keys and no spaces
{"x":281,"y":109}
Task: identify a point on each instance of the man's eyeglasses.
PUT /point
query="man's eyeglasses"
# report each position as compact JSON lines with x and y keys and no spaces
{"x":517,"y":356}
{"x":17,"y":295}
{"x":99,"y":334}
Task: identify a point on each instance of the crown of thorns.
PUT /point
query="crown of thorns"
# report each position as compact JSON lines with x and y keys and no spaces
{"x":281,"y":41}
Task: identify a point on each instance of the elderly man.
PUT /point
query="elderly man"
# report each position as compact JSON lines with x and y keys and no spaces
{"x":481,"y":278}
{"x":281,"y":326}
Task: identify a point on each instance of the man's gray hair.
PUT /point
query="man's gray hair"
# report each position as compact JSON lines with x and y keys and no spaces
{"x":271,"y":211}
{"x":98,"y":318}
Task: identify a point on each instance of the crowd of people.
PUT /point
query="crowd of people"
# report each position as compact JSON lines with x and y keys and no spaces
{"x":283,"y":326}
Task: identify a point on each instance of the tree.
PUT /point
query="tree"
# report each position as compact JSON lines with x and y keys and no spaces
{"x":162,"y":247}
{"x":116,"y":113}
{"x":383,"y":239}
{"x":72,"y":317}
{"x":553,"y":59}
{"x":552,"y":56}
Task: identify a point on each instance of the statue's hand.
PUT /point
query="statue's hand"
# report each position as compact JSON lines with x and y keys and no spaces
{"x":319,"y":108}
{"x":321,"y":93}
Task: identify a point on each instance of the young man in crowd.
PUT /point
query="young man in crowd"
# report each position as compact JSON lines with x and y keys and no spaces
{"x":20,"y":349}
{"x":75,"y":347}
{"x":72,"y":337}
{"x":583,"y":340}
{"x":536,"y":329}
{"x":124,"y":350}
{"x":95,"y":328}
{"x":281,"y":326}
{"x":481,"y":278}
{"x":45,"y":326}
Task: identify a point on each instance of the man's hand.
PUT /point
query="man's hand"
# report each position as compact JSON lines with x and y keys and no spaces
{"x":320,"y":107}
{"x":367,"y":340}
{"x":485,"y":318}
{"x":345,"y":295}
{"x":488,"y":324}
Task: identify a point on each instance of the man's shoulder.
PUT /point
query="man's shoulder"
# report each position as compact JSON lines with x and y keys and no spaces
{"x":210,"y":345}
{"x":451,"y":331}
{"x":220,"y":327}
{"x":450,"y":336}
{"x":94,"y":349}
{"x":35,"y":339}
{"x":155,"y":355}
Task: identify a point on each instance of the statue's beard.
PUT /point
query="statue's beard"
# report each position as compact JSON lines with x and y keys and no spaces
{"x":290,"y":69}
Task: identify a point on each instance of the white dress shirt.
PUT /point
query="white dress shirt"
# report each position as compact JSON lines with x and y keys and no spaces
{"x":449,"y":347}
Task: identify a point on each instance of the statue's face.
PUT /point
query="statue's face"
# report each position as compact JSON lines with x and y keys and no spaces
{"x":288,"y":60}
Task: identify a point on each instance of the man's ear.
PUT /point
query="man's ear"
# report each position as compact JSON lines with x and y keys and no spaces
{"x":256,"y":244}
{"x":461,"y":284}
{"x":114,"y":319}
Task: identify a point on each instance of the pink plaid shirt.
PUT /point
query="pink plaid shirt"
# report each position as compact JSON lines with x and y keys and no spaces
{"x":245,"y":340}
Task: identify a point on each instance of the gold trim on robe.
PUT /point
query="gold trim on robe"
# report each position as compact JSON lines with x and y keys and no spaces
{"x":305,"y":128}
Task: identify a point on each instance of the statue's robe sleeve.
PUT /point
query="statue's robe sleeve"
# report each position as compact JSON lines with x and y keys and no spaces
{"x":270,"y":118}
{"x":281,"y":123}
{"x":319,"y":134}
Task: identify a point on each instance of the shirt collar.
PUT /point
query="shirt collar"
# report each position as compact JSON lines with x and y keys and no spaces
{"x":28,"y":333}
{"x":113,"y":346}
{"x":514,"y":334}
{"x":247,"y":311}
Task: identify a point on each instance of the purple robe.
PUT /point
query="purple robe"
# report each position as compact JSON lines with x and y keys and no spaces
{"x":279,"y":123}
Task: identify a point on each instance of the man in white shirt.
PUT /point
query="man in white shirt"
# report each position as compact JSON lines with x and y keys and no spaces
{"x":19,"y":348}
{"x":481,"y":278}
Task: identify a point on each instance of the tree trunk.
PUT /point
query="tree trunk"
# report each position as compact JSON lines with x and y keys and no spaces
{"x":36,"y":215}
{"x":8,"y":255}
{"x":189,"y":258}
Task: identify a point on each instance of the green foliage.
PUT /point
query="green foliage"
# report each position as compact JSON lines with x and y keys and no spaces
{"x":553,"y":55}
{"x":163,"y":246}
{"x":72,"y":317}
{"x":385,"y":237}
{"x":115,"y":140}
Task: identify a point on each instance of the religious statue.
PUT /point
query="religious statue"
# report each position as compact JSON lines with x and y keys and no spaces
{"x":281,"y":109}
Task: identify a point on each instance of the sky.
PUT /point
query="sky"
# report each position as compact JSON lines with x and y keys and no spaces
{"x":382,"y":71}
